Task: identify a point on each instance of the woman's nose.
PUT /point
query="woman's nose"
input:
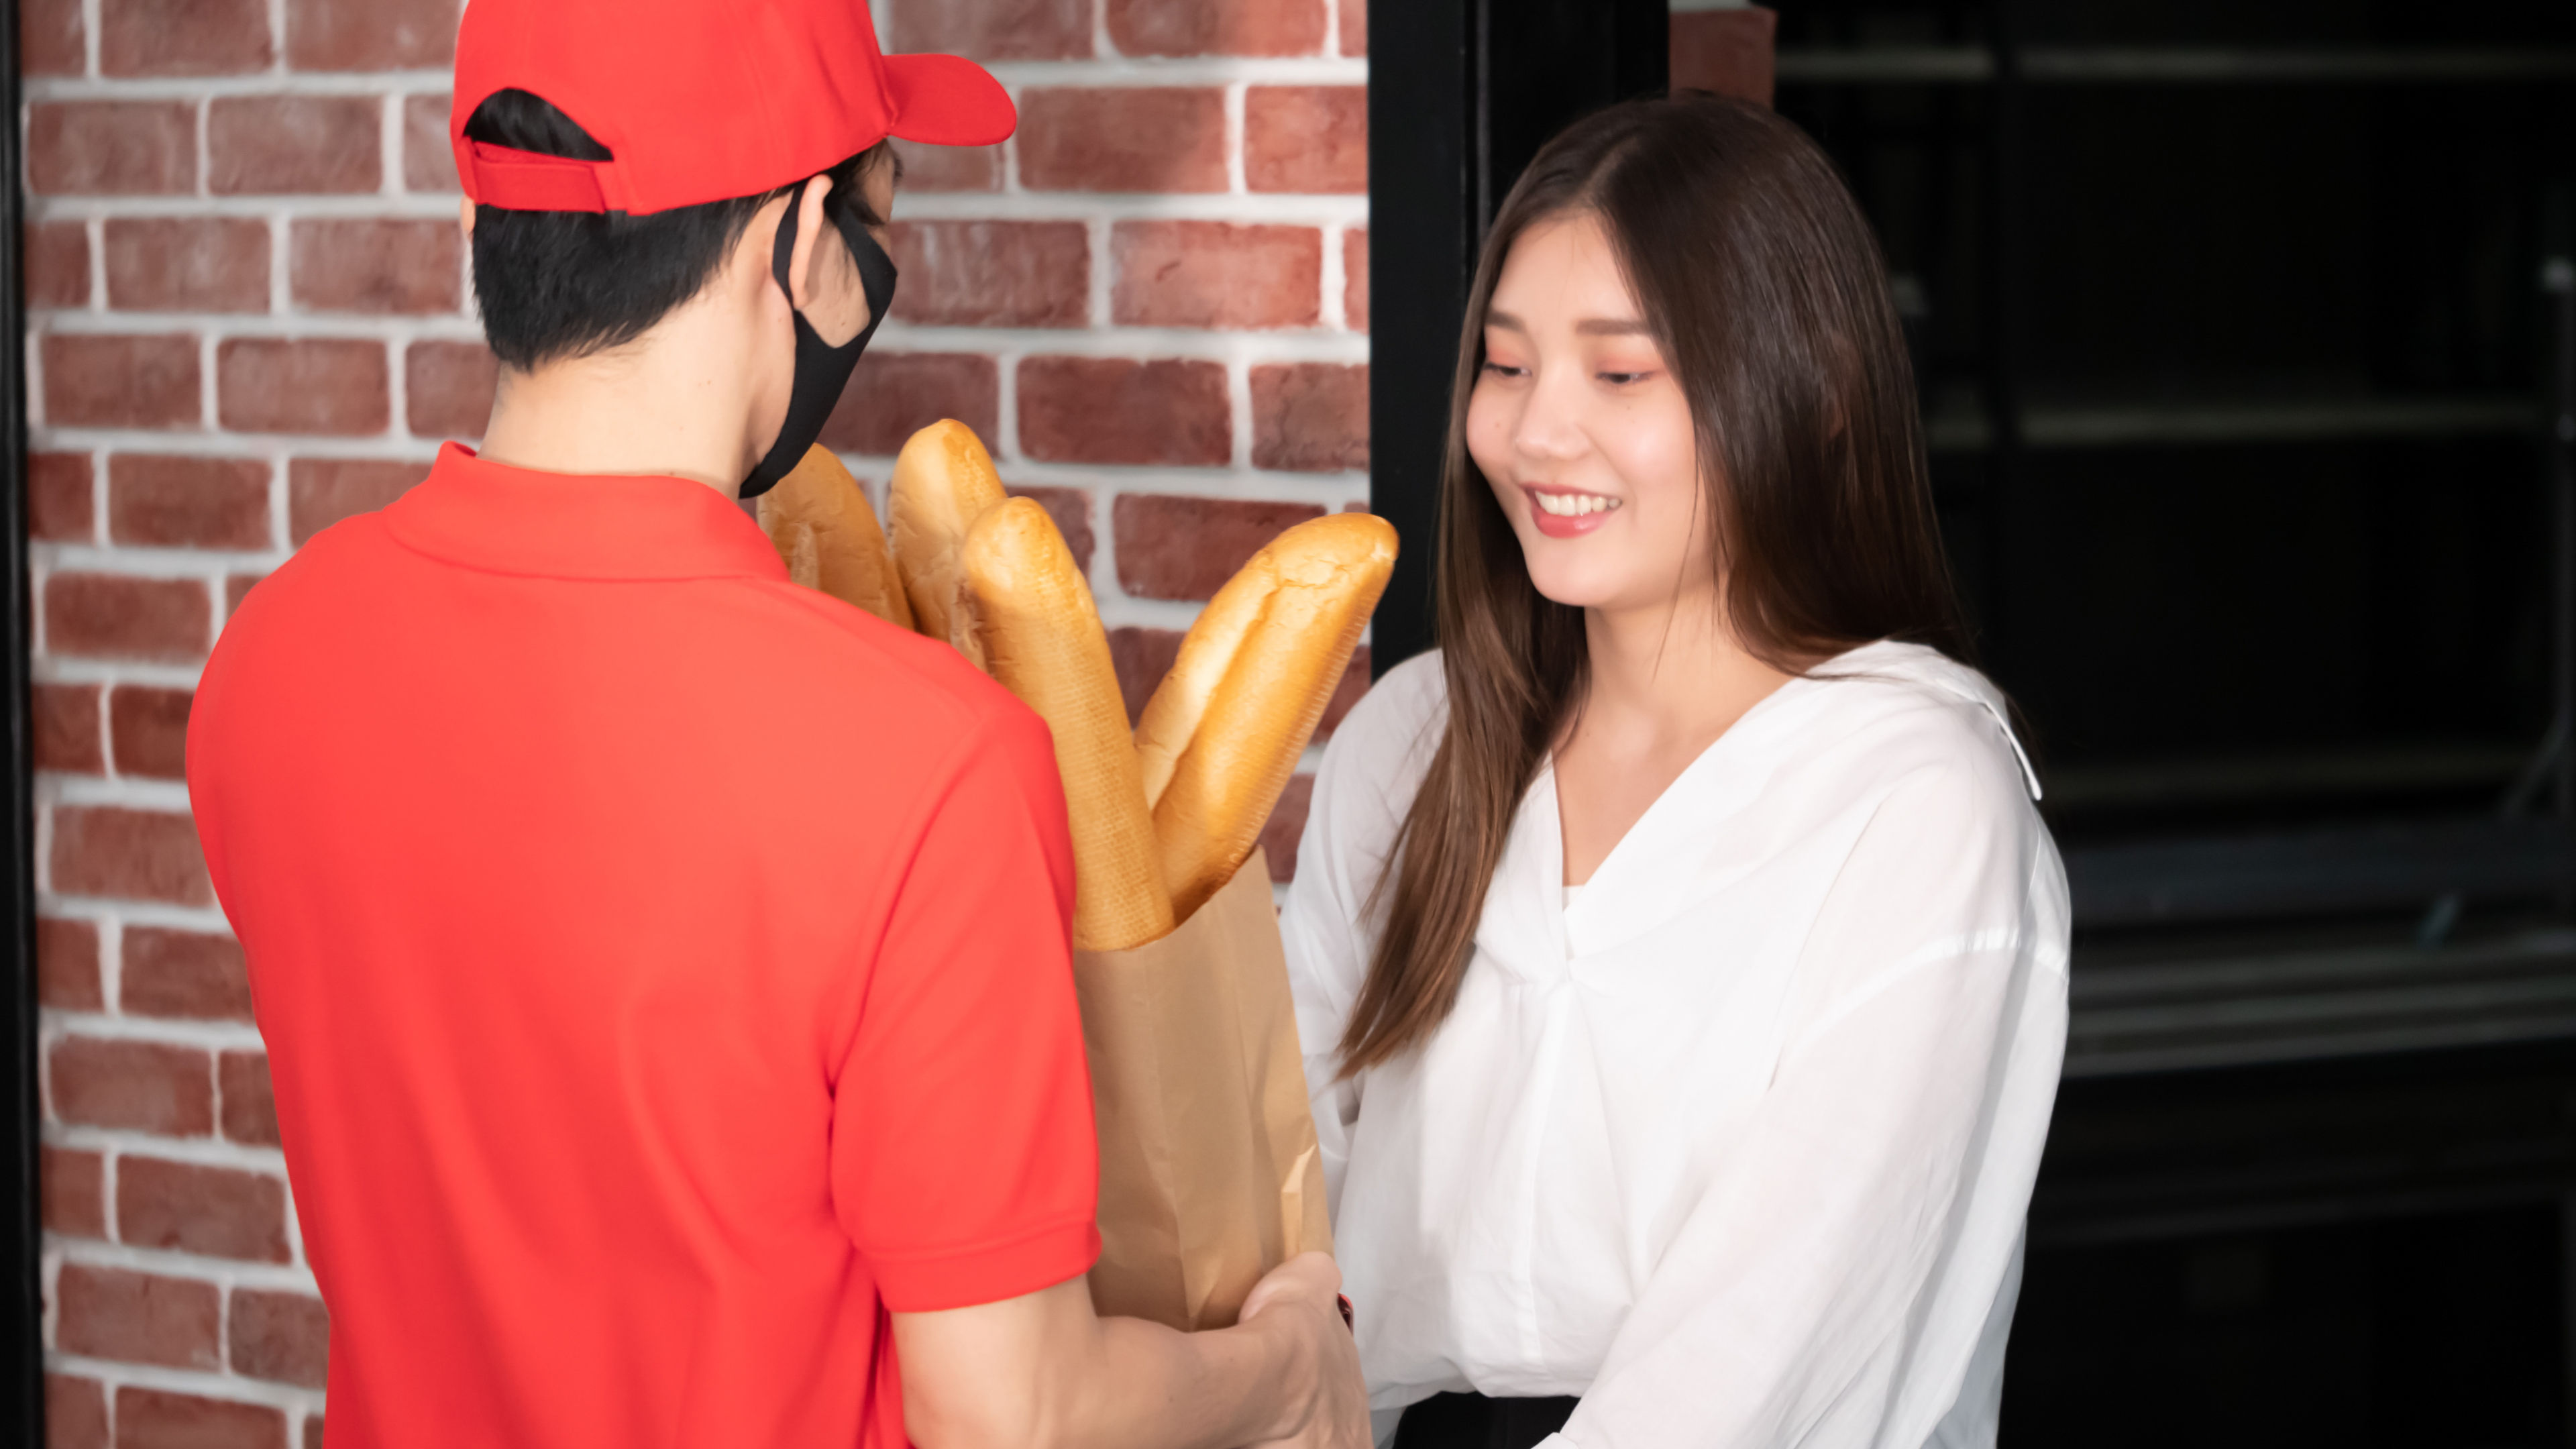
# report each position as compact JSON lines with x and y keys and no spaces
{"x":1550,"y":422}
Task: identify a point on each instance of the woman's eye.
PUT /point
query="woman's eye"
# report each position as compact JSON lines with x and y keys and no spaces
{"x":1621,"y":379}
{"x":1501,"y":370}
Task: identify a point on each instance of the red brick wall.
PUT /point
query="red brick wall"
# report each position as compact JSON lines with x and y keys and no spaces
{"x":1723,"y":46}
{"x":1153,"y":301}
{"x":250,"y":318}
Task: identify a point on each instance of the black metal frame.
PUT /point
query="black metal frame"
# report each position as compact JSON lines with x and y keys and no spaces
{"x":22,"y":1401}
{"x":1461,"y":94}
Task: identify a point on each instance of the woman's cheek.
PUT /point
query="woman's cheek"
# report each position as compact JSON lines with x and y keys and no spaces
{"x":1657,"y":454}
{"x":1489,"y":442}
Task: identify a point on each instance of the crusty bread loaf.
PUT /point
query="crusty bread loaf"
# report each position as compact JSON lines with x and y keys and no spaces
{"x":820,"y":522}
{"x":1223,"y":731}
{"x":1029,"y":607}
{"x":943,"y":482}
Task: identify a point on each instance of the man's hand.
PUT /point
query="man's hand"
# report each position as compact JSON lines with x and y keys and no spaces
{"x":1042,"y":1372}
{"x":1328,"y":1401}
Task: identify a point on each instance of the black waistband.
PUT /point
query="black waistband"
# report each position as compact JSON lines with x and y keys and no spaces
{"x":1473,"y":1421}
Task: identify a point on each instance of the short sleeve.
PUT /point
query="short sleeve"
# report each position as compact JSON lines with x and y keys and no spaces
{"x":963,"y":1162}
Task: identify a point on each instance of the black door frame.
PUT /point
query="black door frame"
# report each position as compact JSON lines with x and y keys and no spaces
{"x":22,"y":1401}
{"x":1461,"y":94}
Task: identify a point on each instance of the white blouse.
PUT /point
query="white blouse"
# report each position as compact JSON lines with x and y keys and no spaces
{"x":1736,"y":1143}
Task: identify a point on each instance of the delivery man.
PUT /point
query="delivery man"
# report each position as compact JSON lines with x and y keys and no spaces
{"x":664,"y":968}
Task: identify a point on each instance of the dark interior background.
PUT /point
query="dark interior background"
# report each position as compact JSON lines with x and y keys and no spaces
{"x":2231,"y":340}
{"x":2232,"y":376}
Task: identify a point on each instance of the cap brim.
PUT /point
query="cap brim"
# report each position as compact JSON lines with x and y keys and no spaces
{"x":947,"y":100}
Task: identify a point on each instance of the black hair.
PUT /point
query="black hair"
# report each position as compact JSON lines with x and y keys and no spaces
{"x":563,"y":284}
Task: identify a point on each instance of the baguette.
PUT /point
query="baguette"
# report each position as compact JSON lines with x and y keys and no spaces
{"x":1223,"y":731}
{"x":820,"y":523}
{"x":1028,"y":606}
{"x":943,"y":482}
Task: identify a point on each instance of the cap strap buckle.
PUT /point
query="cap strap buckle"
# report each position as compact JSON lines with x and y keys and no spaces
{"x":528,"y":181}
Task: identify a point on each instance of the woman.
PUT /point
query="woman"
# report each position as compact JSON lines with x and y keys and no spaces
{"x":1680,"y":957}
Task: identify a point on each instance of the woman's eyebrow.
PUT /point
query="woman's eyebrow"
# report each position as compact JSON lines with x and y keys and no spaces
{"x":1588,"y":327}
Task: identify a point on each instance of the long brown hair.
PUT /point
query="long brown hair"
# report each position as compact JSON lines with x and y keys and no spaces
{"x":1764,"y":289}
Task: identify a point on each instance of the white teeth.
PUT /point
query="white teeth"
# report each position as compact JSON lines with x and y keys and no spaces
{"x":1574,"y":505}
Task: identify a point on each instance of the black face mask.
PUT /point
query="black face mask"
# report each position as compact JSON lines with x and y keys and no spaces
{"x":821,"y":371}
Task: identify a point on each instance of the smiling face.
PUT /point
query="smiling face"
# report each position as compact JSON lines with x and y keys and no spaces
{"x":1583,"y":432}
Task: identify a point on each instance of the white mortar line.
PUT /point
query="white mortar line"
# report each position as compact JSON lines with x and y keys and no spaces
{"x":352,"y":205}
{"x":1319,"y":208}
{"x":204,"y":919}
{"x":79,"y":672}
{"x":112,"y":953}
{"x":136,"y":561}
{"x":272,"y":82}
{"x":281,"y":264}
{"x":389,"y":147}
{"x":115,"y":1374}
{"x":294,"y":1219}
{"x":371,"y":447}
{"x":95,"y":230}
{"x":207,"y":1036}
{"x":1100,"y":241}
{"x":1180,"y":71}
{"x":44,"y":870}
{"x":49,"y":1267}
{"x":132,"y":792}
{"x":1238,"y":392}
{"x":107,"y":764}
{"x":190,"y":1151}
{"x":209,"y":394}
{"x":1234,"y":180}
{"x":31,"y":346}
{"x":1324,"y":490}
{"x":108,"y":1161}
{"x":99,"y":473}
{"x":1304,"y":344}
{"x":1334,"y":280}
{"x":1105,"y":591}
{"x":221,"y":1273}
{"x":279,"y":530}
{"x":297,"y":326}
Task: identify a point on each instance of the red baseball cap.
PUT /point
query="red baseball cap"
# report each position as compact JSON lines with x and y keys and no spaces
{"x":702,"y":100}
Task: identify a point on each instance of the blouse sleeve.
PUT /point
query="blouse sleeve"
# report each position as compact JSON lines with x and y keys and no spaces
{"x":1893,"y":1150}
{"x":1372,"y":766}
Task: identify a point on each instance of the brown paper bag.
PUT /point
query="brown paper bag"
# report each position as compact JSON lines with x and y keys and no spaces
{"x":1209,"y":1175}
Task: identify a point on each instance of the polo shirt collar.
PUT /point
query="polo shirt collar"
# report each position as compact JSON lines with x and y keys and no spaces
{"x":499,"y":519}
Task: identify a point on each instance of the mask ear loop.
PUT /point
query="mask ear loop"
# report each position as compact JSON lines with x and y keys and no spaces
{"x":876,"y":270}
{"x":782,"y":254}
{"x":822,"y":371}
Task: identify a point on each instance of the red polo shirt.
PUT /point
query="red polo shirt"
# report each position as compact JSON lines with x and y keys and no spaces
{"x":664,"y":968}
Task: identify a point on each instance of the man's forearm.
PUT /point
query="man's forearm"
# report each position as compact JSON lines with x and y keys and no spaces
{"x":1042,"y":1372}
